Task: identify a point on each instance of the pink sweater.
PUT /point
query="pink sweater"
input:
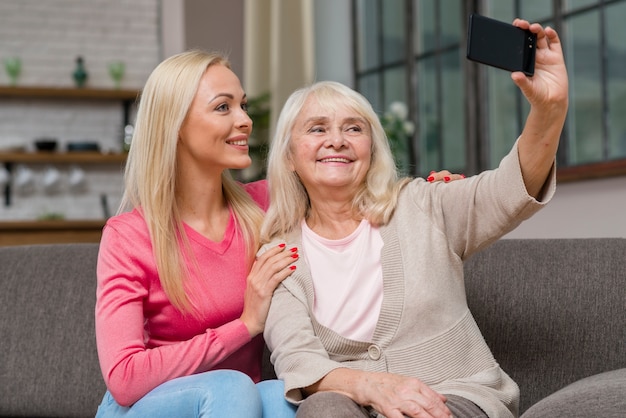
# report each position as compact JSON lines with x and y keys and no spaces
{"x":143,"y":341}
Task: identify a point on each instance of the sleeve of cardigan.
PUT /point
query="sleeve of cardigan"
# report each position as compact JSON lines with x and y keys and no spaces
{"x":298,"y":356}
{"x":476,"y":211}
{"x":130,"y":369}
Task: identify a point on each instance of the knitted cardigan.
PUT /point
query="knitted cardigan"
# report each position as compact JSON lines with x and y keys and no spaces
{"x":425,"y":328}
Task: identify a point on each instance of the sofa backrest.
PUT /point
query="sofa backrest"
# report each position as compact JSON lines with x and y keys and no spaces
{"x":48,"y":359}
{"x":552,"y":311}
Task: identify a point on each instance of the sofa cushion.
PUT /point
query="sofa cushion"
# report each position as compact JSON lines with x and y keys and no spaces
{"x":551,"y":310}
{"x":48,"y":357}
{"x":602,"y":395}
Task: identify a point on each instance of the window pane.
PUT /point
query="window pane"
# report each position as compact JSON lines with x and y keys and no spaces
{"x":452,"y":23}
{"x":503,"y":124}
{"x":453,"y":126}
{"x":583,"y":57}
{"x":424,"y":19}
{"x":569,"y":5}
{"x":500,"y":9}
{"x":395,"y":85}
{"x":367,"y":36}
{"x":428,"y":123}
{"x":369,"y":87}
{"x":615,"y":31}
{"x":535,"y":10}
{"x":394,"y":42}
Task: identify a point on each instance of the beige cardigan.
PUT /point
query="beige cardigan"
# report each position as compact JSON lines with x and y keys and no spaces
{"x":425,"y":328}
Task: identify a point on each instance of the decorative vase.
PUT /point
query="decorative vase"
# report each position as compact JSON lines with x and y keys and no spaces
{"x":80,"y":73}
{"x":13,"y":67}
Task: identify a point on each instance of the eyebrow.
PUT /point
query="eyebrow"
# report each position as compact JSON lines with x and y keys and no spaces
{"x":228,"y":95}
{"x":319,"y":119}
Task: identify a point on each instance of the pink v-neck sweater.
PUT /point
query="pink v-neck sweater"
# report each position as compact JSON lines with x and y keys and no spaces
{"x":143,"y":341}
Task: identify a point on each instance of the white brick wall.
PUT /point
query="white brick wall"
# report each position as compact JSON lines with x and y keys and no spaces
{"x":48,"y":35}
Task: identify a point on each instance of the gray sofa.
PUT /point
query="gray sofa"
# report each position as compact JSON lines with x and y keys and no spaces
{"x":553,"y":312}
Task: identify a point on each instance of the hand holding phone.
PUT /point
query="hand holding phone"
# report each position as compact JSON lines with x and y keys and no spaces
{"x":501,"y":45}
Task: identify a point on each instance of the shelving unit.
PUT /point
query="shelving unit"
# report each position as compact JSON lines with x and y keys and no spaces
{"x":125,"y":96}
{"x":61,"y":157}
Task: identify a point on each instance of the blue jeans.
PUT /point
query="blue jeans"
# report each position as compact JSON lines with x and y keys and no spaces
{"x":218,"y":393}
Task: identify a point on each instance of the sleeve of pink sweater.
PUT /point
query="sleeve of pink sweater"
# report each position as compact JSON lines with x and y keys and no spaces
{"x":127,"y":285}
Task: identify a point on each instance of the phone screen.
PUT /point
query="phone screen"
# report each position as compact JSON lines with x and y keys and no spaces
{"x":501,"y":44}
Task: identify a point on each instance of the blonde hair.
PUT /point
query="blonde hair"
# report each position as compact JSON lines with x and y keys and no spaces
{"x":290,"y":203}
{"x":150,"y":176}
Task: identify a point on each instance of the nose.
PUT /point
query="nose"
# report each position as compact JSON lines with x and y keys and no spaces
{"x":243,"y":120}
{"x":335,"y":139}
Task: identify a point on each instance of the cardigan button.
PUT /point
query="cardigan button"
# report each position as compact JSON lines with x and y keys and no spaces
{"x":374,"y":352}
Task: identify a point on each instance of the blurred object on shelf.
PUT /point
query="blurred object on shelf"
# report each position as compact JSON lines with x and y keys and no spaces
{"x":46,"y":144}
{"x":51,"y":180}
{"x":24,"y":180}
{"x":76,"y":180}
{"x":13,"y":67}
{"x":128,"y":137}
{"x":116,"y":71}
{"x":83,"y":146}
{"x":80,"y":73}
{"x":5,"y":176}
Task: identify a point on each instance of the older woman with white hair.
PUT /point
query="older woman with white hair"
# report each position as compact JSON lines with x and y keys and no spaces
{"x":374,"y":319}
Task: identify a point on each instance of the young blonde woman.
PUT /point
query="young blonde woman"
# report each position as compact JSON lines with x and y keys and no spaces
{"x":181,"y":299}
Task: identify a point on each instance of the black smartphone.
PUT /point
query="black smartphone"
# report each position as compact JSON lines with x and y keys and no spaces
{"x":501,"y":44}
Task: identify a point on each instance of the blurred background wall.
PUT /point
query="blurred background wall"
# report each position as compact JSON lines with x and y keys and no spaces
{"x":50,"y":35}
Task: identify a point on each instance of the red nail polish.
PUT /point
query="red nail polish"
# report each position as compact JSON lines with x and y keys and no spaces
{"x":294,"y":249}
{"x":446,"y":179}
{"x":294,"y":256}
{"x":282,"y":245}
{"x":292,"y":267}
{"x":463,"y":176}
{"x":430,"y":179}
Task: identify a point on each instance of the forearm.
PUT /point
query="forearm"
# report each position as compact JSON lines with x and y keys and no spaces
{"x":538,"y":145}
{"x":352,"y":383}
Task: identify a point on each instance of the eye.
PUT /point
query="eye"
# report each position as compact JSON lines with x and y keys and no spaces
{"x":317,"y":129}
{"x":244,"y":106}
{"x":355,"y":128}
{"x":222,"y":107}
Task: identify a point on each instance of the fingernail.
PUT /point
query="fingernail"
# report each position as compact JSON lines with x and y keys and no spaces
{"x":294,"y":256}
{"x":292,"y":267}
{"x":446,"y":179}
{"x":282,"y":245}
{"x":294,"y":249}
{"x":462,"y":176}
{"x":430,"y":179}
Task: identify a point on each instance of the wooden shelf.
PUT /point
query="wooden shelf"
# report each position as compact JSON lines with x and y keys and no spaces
{"x":62,"y":157}
{"x":69,"y":93}
{"x":50,"y":232}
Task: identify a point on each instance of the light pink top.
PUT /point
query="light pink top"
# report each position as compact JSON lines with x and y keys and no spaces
{"x":349,"y":306}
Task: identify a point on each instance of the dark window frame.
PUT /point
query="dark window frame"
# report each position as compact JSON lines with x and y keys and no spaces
{"x":477,"y":143}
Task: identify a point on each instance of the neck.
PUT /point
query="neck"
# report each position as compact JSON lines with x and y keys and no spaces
{"x":333,"y":220}
{"x":202,"y":205}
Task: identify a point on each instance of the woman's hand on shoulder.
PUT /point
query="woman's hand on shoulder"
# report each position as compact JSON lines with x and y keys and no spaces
{"x":443,"y":175}
{"x":268,"y":271}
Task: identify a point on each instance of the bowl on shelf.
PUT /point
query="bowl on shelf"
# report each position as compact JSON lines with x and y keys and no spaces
{"x":46,"y":144}
{"x":83,"y":146}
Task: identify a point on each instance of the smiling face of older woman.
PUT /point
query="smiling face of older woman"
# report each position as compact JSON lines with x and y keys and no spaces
{"x":330,"y":150}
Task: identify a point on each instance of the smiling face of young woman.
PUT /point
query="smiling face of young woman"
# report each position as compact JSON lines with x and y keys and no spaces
{"x":214,"y":135}
{"x":330,"y":148}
